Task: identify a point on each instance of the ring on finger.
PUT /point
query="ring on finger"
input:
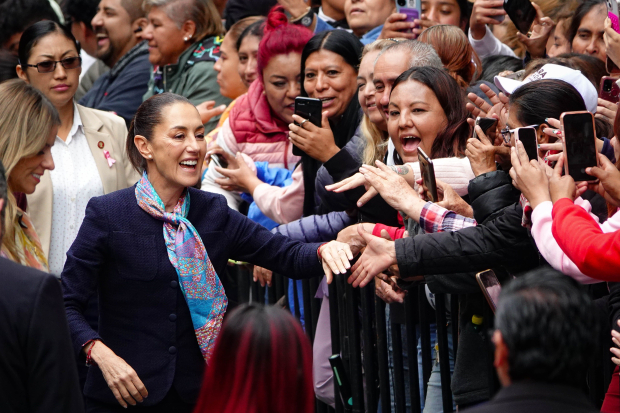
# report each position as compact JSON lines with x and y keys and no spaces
{"x":302,"y":123}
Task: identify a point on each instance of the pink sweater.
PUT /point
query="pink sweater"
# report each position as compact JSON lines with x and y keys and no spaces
{"x":542,"y":222}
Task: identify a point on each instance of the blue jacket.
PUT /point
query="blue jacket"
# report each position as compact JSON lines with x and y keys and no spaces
{"x":120,"y":252}
{"x":121,"y":89}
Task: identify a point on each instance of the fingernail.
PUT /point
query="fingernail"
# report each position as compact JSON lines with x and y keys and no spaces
{"x":557,"y":132}
{"x":545,"y":158}
{"x":546,"y":119}
{"x":538,"y":146}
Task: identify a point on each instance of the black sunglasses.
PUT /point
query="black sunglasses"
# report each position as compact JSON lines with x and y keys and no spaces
{"x":50,"y":65}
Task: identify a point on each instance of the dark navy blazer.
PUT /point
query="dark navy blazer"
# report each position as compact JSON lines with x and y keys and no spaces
{"x":143,"y":316}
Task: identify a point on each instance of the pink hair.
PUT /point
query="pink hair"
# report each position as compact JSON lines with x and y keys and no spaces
{"x":280,"y":38}
{"x":261,"y":363}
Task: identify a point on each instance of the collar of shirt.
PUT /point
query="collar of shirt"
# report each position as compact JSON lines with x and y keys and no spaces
{"x":77,"y":128}
{"x":372,"y":35}
{"x":324,"y":17}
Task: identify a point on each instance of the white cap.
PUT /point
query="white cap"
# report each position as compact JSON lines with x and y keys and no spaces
{"x":550,"y":71}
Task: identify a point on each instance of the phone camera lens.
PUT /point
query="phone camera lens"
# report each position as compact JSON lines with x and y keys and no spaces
{"x":607,"y":85}
{"x":402,"y":3}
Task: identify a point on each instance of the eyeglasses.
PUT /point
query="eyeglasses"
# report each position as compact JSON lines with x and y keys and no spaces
{"x":50,"y":65}
{"x":506,"y":132}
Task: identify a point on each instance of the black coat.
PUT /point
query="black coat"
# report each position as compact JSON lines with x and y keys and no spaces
{"x":453,"y":258}
{"x":144,"y":318}
{"x":37,"y":366}
{"x":533,"y":397}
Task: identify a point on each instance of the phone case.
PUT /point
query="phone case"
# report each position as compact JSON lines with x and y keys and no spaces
{"x":485,"y":292}
{"x":428,"y":175}
{"x":566,"y":161}
{"x":612,"y":13}
{"x":611,"y":93}
{"x":409,"y":7}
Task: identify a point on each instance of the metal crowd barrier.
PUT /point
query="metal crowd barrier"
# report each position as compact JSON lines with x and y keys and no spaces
{"x":359,"y":333}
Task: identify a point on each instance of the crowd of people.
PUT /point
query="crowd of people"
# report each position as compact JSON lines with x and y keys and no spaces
{"x":116,"y":289}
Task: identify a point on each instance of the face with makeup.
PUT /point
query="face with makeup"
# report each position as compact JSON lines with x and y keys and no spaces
{"x":415,"y":119}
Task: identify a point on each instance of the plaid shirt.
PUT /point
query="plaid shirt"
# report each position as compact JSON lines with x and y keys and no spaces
{"x":434,"y":218}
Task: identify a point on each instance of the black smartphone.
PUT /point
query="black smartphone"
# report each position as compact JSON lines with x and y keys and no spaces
{"x":219,"y":160}
{"x":485,"y":124}
{"x":529,"y":139}
{"x":310,"y":109}
{"x":579,"y":144}
{"x":609,"y":89}
{"x":428,"y":175}
{"x":522,"y":14}
{"x":490,"y":286}
{"x":342,"y":379}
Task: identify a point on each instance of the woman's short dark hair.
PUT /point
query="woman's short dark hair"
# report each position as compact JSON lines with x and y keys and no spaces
{"x":340,"y":42}
{"x":256,"y":29}
{"x":147,"y":117}
{"x":583,"y":9}
{"x":453,"y":139}
{"x":548,"y":98}
{"x":262,"y":362}
{"x":36,"y":32}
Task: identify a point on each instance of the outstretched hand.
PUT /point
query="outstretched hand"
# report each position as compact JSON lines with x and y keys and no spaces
{"x":376,"y":258}
{"x":561,"y":186}
{"x":392,"y":187}
{"x":609,"y":180}
{"x":335,"y":258}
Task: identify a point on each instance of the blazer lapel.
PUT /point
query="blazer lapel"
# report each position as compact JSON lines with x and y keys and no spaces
{"x":92,"y":126}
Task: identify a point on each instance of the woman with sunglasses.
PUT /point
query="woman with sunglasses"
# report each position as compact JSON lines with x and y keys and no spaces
{"x":89,"y":147}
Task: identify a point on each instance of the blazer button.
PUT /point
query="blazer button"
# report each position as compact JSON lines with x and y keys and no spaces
{"x":172,"y":317}
{"x":174,"y":284}
{"x":172,"y":350}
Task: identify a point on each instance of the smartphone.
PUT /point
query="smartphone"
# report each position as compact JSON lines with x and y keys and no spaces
{"x":428,"y":175}
{"x":485,"y":124}
{"x":310,"y":109}
{"x":219,"y":160}
{"x":412,"y":8}
{"x":609,"y":89}
{"x":529,"y":139}
{"x":490,"y":286}
{"x":579,"y":144}
{"x":342,"y":380}
{"x":612,"y":13}
{"x":522,"y":14}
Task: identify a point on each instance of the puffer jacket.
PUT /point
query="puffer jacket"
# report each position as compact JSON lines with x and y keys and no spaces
{"x":253,"y":129}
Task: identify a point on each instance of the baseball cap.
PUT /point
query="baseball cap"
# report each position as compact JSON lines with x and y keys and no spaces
{"x":552,"y":71}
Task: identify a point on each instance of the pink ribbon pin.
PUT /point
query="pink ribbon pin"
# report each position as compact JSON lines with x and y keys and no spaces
{"x":111,"y":161}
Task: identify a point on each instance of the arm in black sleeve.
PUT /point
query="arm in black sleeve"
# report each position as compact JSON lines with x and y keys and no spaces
{"x":490,"y":194}
{"x":614,"y":305}
{"x":52,"y":375}
{"x":500,"y":242}
{"x":80,"y":276}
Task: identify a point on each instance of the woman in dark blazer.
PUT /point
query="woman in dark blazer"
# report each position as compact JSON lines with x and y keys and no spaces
{"x":153,"y":258}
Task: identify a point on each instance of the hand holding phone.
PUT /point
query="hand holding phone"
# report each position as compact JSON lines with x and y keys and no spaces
{"x":579,"y":139}
{"x":612,"y":13}
{"x":522,"y":14}
{"x":412,"y":8}
{"x":219,"y":160}
{"x":309,"y":109}
{"x":529,"y":139}
{"x":485,"y":124}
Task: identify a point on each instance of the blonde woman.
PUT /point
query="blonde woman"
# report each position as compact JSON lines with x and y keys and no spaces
{"x":89,"y":151}
{"x":29,"y":123}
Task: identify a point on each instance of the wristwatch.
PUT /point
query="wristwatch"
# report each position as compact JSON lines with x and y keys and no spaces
{"x":306,"y":19}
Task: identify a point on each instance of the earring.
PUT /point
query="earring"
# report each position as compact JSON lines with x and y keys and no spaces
{"x":150,"y":156}
{"x":185,"y":39}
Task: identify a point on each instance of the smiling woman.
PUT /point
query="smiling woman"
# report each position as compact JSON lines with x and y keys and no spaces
{"x":29,"y":122}
{"x":184,"y":38}
{"x":155,"y":251}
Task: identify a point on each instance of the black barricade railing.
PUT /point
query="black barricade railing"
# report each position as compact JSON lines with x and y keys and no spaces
{"x":362,"y":335}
